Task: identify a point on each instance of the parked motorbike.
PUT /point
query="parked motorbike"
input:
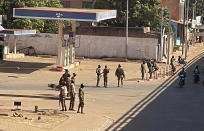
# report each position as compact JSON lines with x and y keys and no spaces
{"x":182,"y":61}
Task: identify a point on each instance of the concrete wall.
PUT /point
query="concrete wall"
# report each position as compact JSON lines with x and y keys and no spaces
{"x":92,"y":46}
{"x":104,"y":46}
{"x":43,"y":43}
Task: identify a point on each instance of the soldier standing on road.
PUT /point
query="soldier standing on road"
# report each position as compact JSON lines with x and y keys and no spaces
{"x":81,"y":99}
{"x":67,"y":82}
{"x":98,"y":73}
{"x":120,"y":74}
{"x":72,"y":95}
{"x":105,"y":76}
{"x":149,"y":65}
{"x":73,"y":77}
{"x":62,"y":96}
{"x":143,"y":70}
{"x":67,"y":72}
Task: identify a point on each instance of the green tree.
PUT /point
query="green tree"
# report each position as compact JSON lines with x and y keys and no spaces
{"x":199,"y":8}
{"x":6,"y":9}
{"x":141,"y":12}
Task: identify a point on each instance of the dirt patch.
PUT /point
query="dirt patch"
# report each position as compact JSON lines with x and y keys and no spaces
{"x":46,"y":119}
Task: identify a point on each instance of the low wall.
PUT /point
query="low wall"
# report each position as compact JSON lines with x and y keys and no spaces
{"x":105,"y":46}
{"x":93,"y":46}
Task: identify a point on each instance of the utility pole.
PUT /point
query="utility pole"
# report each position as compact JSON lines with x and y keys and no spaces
{"x":126,"y":45}
{"x":169,"y":32}
{"x":161,"y":46}
{"x":186,"y":30}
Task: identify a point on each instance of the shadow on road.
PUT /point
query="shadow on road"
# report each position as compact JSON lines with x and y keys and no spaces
{"x":21,"y":67}
{"x":168,"y":107}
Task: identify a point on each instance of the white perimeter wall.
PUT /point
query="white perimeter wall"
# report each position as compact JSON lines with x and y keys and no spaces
{"x":93,"y":46}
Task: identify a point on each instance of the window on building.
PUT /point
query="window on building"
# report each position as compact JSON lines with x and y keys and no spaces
{"x":65,"y":3}
{"x":87,"y":4}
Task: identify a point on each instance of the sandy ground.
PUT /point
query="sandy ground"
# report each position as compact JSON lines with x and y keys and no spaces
{"x":26,"y":80}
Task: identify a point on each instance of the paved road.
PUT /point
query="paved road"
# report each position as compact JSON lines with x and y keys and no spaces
{"x":175,"y":109}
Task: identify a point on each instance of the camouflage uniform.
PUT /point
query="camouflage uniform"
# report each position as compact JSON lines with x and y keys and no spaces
{"x":72,"y":96}
{"x":105,"y":76}
{"x":120,"y":74}
{"x":68,"y":83}
{"x":98,"y":73}
{"x":81,"y":99}
{"x":149,"y":65}
{"x":62,"y":97}
{"x":73,"y":78}
{"x":143,"y":70}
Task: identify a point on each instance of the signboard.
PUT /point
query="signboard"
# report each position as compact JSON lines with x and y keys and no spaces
{"x":194,"y":23}
{"x":198,"y":20}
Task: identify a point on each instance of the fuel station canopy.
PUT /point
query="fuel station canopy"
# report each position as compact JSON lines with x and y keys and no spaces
{"x":94,"y":15}
{"x":60,"y":14}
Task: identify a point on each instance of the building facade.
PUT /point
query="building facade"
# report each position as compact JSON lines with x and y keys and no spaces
{"x":176,"y":7}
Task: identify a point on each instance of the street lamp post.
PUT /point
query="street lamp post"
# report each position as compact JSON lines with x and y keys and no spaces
{"x":126,"y":45}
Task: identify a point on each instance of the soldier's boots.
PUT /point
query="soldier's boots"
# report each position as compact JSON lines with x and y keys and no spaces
{"x":82,"y":110}
{"x":78,"y":109}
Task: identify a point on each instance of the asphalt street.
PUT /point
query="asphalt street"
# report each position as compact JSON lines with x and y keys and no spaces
{"x":175,"y":109}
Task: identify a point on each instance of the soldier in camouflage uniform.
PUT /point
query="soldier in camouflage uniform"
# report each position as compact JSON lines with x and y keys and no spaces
{"x":98,"y":73}
{"x":105,"y":76}
{"x":143,"y":70}
{"x":120,"y":74}
{"x":149,"y":65}
{"x":73,"y":77}
{"x":67,"y":82}
{"x":81,"y":99}
{"x":62,"y":96}
{"x":72,"y":95}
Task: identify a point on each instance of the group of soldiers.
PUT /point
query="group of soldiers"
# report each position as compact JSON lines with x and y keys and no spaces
{"x":119,"y":73}
{"x":152,"y":67}
{"x":67,"y":89}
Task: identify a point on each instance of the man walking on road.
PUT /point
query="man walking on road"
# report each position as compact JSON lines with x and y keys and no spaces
{"x":105,"y":76}
{"x":98,"y":73}
{"x":120,"y":74}
{"x":81,"y":99}
{"x":143,"y":70}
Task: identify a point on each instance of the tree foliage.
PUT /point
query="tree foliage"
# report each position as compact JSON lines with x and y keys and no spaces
{"x":6,"y":9}
{"x":141,"y":12}
{"x":199,"y":8}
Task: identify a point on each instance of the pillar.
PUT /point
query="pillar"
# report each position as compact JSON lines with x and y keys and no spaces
{"x":8,"y":48}
{"x":72,"y":51}
{"x":15,"y":39}
{"x":60,"y":38}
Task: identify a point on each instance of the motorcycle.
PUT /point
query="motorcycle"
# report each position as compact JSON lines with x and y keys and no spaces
{"x":182,"y":82}
{"x":182,"y":61}
{"x":196,"y":78}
